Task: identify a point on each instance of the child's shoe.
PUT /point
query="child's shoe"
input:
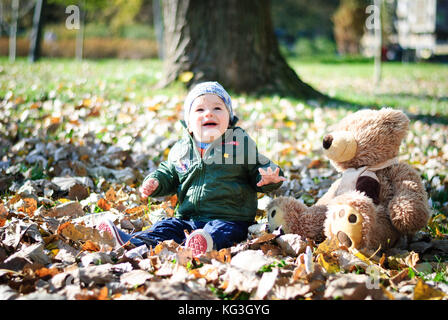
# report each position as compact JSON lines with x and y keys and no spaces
{"x":199,"y":242}
{"x":109,"y":227}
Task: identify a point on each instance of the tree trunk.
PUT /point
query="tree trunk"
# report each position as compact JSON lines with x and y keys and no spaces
{"x":13,"y":30}
{"x":230,"y":41}
{"x":36,"y":33}
{"x":80,"y":33}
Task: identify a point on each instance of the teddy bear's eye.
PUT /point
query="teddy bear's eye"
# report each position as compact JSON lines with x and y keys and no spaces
{"x":352,"y":218}
{"x":273,"y":213}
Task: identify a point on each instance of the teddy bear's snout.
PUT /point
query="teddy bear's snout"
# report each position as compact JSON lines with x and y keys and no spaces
{"x":328,"y":140}
{"x":340,"y":146}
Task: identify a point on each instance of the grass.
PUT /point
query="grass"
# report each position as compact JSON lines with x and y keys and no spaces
{"x":54,"y":88}
{"x":68,"y":79}
{"x":419,"y":88}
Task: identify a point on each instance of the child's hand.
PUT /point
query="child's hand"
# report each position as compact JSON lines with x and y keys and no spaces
{"x":269,"y":176}
{"x":148,"y":187}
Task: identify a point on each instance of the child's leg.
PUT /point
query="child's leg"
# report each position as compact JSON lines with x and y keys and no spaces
{"x":167,"y":229}
{"x":226,"y":233}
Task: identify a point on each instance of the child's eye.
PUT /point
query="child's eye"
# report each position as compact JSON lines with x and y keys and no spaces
{"x":199,"y":109}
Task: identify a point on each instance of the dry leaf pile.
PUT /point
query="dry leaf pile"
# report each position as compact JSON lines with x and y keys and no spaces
{"x":69,"y":159}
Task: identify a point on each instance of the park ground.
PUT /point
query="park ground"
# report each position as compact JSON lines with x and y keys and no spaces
{"x":99,"y":119}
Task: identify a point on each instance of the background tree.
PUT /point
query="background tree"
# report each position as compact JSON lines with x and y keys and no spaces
{"x":231,"y":41}
{"x":84,"y":7}
{"x":36,"y":32}
{"x":349,"y":21}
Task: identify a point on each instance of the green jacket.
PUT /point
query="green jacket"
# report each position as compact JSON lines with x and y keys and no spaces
{"x":221,"y":184}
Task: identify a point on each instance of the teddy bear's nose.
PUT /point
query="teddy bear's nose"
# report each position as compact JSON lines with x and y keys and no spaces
{"x":328,"y":140}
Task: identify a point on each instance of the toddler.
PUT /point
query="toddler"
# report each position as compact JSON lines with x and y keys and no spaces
{"x":216,"y":171}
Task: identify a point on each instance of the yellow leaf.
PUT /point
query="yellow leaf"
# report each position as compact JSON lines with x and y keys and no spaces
{"x":64,"y":200}
{"x":290,"y":124}
{"x":86,"y":102}
{"x":362,"y":257}
{"x":327,"y":246}
{"x":330,"y":267}
{"x":280,"y":116}
{"x":186,"y":76}
{"x":424,"y":292}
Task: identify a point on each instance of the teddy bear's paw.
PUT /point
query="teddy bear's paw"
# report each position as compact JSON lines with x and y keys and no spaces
{"x":344,"y":223}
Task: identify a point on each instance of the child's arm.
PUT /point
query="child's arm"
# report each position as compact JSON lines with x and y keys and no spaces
{"x":269,"y":176}
{"x":162,"y":182}
{"x":266,"y":176}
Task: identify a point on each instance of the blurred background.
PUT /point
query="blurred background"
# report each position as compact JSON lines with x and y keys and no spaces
{"x":327,"y":29}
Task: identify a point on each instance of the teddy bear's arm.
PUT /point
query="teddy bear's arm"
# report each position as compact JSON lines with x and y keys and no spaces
{"x":308,"y":222}
{"x":330,"y":194}
{"x":408,"y":209}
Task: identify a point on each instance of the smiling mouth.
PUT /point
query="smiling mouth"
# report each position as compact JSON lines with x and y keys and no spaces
{"x":210,"y":124}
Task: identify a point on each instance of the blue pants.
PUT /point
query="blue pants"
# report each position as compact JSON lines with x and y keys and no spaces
{"x":224,"y":233}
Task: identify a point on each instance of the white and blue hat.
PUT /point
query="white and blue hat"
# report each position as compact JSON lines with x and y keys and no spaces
{"x":209,"y":87}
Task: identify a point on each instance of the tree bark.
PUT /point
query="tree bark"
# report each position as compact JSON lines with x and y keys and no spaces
{"x":229,"y":41}
{"x":36,"y":33}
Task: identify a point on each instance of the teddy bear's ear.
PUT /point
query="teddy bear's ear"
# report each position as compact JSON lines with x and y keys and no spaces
{"x":396,"y":120}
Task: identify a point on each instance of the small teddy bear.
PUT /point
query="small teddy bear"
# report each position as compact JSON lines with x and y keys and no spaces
{"x":377,"y":199}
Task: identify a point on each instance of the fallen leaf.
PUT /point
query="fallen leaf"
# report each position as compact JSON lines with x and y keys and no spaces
{"x":90,"y":246}
{"x":135,"y":278}
{"x":82,"y":233}
{"x":45,"y":273}
{"x":29,"y":206}
{"x":186,"y":76}
{"x":327,"y":246}
{"x":266,"y":283}
{"x":331,"y":266}
{"x":422,"y":291}
{"x":104,"y":294}
{"x":111,"y":195}
{"x":223,"y":255}
{"x":208,"y":272}
{"x":104,"y":204}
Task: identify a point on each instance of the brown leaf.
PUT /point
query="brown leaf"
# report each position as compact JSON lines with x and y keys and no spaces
{"x":82,"y":233}
{"x":222,"y":255}
{"x":90,"y":246}
{"x":3,"y":215}
{"x":111,"y":195}
{"x":77,"y":192}
{"x":29,"y":206}
{"x":136,"y":211}
{"x":45,"y":273}
{"x":401,"y":276}
{"x":173,"y":200}
{"x":104,"y":204}
{"x":104,"y":294}
{"x":264,"y":238}
{"x":208,"y":272}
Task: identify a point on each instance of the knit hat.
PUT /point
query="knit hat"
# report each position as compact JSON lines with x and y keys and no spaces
{"x":210,"y":87}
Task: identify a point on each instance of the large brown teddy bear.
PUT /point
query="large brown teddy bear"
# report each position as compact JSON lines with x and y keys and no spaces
{"x":377,"y":199}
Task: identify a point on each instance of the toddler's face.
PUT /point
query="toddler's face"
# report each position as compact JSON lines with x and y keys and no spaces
{"x":208,"y":118}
